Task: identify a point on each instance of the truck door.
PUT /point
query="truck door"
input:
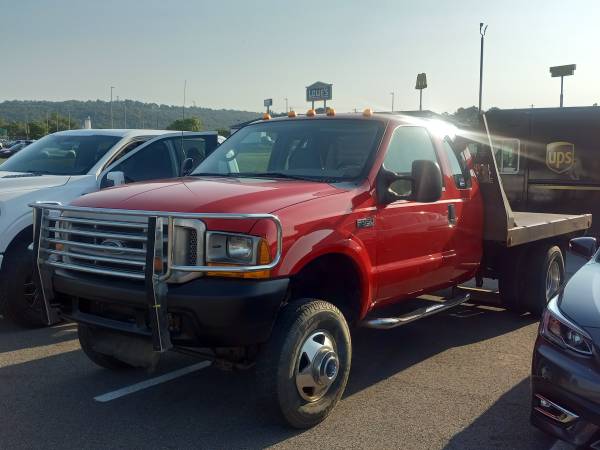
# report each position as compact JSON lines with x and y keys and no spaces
{"x":466,"y":212}
{"x":414,"y":245}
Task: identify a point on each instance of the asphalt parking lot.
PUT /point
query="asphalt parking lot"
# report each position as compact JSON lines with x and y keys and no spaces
{"x":459,"y":380}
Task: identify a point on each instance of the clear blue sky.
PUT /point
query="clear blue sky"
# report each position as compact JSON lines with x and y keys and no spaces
{"x":236,"y":53}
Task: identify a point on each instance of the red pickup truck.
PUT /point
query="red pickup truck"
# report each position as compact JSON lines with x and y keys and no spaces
{"x":294,"y":230}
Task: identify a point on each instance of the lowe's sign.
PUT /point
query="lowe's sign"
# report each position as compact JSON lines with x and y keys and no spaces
{"x":319,"y":91}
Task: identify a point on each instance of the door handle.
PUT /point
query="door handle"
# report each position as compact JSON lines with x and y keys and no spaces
{"x":452,"y":214}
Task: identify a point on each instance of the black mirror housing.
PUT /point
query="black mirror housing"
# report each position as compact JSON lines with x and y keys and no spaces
{"x":187,"y":166}
{"x":428,"y":185}
{"x":585,"y":247}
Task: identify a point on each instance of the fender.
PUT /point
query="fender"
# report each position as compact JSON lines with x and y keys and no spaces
{"x":22,"y":222}
{"x":318,"y":243}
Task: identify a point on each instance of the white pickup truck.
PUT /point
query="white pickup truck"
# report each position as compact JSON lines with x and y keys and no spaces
{"x":65,"y":165}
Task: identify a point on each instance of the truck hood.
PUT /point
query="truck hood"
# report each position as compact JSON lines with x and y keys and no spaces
{"x":17,"y":181}
{"x":213,"y":195}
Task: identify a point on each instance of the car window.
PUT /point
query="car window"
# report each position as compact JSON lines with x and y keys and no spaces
{"x":61,"y":154}
{"x":460,"y":173}
{"x":408,"y":144}
{"x":193,"y":148}
{"x":155,"y":161}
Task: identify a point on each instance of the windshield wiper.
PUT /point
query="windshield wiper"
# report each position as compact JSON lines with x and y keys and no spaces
{"x":282,"y":175}
{"x":288,"y":176}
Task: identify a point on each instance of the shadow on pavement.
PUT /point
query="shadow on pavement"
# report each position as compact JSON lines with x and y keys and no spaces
{"x":209,"y":408}
{"x":14,"y":337}
{"x":381,"y":354}
{"x":501,"y":426}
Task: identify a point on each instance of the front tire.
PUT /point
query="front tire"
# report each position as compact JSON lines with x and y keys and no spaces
{"x":303,"y":369}
{"x":20,"y":297}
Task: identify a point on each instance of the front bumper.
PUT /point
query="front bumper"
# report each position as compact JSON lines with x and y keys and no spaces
{"x":573,"y":383}
{"x":206,"y":312}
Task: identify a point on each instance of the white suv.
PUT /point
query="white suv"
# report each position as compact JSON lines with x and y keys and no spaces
{"x":66,"y":165}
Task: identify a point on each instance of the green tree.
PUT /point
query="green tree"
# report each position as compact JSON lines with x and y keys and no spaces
{"x":224,"y":132}
{"x":189,"y":124}
{"x":37,"y":130}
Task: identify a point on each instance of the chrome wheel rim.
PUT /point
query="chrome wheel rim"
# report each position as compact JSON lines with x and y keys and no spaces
{"x":317,"y":366}
{"x":553,"y":279}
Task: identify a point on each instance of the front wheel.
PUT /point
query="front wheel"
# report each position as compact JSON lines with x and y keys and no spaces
{"x":21,"y":300}
{"x":304,"y":368}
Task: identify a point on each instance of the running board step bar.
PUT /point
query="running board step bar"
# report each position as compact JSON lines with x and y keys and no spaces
{"x":384,"y":323}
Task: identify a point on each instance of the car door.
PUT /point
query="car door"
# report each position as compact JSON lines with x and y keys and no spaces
{"x":414,"y":250}
{"x":158,"y":158}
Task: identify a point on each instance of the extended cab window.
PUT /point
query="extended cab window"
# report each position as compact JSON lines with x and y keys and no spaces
{"x":408,"y":144}
{"x":460,"y":172}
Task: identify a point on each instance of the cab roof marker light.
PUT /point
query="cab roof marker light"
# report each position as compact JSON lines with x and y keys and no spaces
{"x":266,"y":116}
{"x":368,"y":112}
{"x":311,"y":113}
{"x":330,"y":112}
{"x":292,"y":114}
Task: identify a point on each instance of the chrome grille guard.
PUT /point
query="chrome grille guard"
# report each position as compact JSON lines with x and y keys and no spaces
{"x":154,"y":266}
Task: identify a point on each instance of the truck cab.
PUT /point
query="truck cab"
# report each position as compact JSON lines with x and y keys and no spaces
{"x":292,"y":232}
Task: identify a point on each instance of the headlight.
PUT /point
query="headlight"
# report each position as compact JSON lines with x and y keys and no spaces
{"x":560,"y":330}
{"x":231,"y":248}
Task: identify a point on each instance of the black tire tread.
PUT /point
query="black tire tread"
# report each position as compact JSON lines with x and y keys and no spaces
{"x":294,"y":316}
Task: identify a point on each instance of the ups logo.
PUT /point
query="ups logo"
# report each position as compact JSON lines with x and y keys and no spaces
{"x":560,"y":156}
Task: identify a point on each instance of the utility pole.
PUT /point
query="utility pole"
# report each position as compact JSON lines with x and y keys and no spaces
{"x":392,"y":94}
{"x":112,"y":125}
{"x":183,"y":107}
{"x":482,"y":30}
{"x":125,"y":108}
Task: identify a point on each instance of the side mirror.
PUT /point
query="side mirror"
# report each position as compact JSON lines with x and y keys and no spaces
{"x":427,"y":177}
{"x":187,"y":167}
{"x":111,"y":179}
{"x":423,"y":185}
{"x":585,"y":247}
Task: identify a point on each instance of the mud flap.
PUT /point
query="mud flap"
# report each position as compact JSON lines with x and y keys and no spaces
{"x":42,"y":273}
{"x":156,"y":286}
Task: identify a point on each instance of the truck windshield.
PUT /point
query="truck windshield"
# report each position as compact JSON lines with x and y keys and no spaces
{"x":319,"y":149}
{"x":60,"y":155}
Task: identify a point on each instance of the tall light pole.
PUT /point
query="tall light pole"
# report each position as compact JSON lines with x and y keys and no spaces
{"x":125,"y":109}
{"x":112,"y":125}
{"x":392,"y":94}
{"x":482,"y":30}
{"x":286,"y":105}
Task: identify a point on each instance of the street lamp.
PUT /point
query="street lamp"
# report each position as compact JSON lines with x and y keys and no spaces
{"x":482,"y":30}
{"x":562,"y":71}
{"x":111,"y":109}
{"x":286,"y":105}
{"x":392,"y":94}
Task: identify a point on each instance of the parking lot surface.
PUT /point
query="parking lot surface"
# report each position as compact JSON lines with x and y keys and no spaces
{"x":459,"y":380}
